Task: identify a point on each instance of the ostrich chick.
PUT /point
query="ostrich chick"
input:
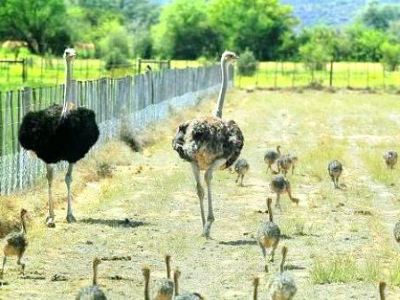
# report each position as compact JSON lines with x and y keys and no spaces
{"x":268,"y":235}
{"x":271,"y":156}
{"x":185,"y":296}
{"x":335,"y":169}
{"x":382,"y":287}
{"x":390,"y":158}
{"x":285,"y":162}
{"x":241,"y":168}
{"x":16,"y":243}
{"x":92,"y":292}
{"x":165,"y":287}
{"x":256,"y":282}
{"x":283,"y":286}
{"x":279,"y":184}
{"x":396,"y":232}
{"x":295,"y":159}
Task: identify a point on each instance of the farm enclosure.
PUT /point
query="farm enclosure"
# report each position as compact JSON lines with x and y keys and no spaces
{"x":340,"y":241}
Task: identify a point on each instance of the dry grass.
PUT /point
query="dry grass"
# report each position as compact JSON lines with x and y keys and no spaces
{"x":333,"y":235}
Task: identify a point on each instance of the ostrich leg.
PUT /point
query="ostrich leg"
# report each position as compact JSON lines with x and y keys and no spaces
{"x":4,"y":264}
{"x":51,"y":216}
{"x":68,"y":180}
{"x":200,"y":191}
{"x":208,"y":177}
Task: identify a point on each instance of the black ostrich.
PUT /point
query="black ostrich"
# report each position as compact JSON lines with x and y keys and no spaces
{"x":60,"y":133}
{"x":210,"y":143}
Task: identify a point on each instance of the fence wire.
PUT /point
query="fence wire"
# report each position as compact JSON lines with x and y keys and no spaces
{"x":135,"y":100}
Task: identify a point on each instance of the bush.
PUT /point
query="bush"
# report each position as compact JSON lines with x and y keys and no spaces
{"x":390,"y":56}
{"x":247,"y":64}
{"x":115,"y":59}
{"x":315,"y":56}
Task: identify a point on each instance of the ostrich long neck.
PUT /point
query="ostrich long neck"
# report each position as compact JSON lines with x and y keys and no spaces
{"x":224,"y":85}
{"x":23,"y":229}
{"x":67,"y":86}
{"x":94,"y":274}
{"x":146,"y":288}
{"x":176,"y":283}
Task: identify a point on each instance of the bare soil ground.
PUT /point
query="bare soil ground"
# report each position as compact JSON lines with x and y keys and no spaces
{"x":340,"y":241}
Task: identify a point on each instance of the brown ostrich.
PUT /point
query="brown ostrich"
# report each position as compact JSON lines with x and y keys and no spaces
{"x":271,"y":156}
{"x":210,"y":143}
{"x":390,"y":158}
{"x":285,"y":162}
{"x":16,"y":243}
{"x":279,"y":184}
{"x":268,"y":234}
{"x":241,"y":168}
{"x":335,"y":169}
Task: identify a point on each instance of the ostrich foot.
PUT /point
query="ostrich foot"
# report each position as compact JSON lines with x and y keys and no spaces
{"x":266,"y":268}
{"x":50,"y":222}
{"x":206,"y":230}
{"x":71,"y":218}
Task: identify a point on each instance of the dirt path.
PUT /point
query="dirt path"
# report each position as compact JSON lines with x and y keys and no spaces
{"x":149,"y":207}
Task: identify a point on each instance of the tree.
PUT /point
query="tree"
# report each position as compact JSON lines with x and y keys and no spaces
{"x":365,"y":43}
{"x":184,"y":31}
{"x":40,"y":23}
{"x":379,"y":16}
{"x":390,"y":55}
{"x":259,"y":25}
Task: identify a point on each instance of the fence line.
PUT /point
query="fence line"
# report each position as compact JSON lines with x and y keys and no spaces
{"x":137,"y":100}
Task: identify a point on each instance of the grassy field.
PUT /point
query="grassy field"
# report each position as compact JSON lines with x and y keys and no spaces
{"x":340,"y":241}
{"x":345,"y":75}
{"x":44,"y":72}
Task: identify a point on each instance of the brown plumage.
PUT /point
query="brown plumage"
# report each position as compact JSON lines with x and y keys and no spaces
{"x":210,"y":143}
{"x":268,"y":234}
{"x":390,"y":158}
{"x":279,"y":184}
{"x":241,"y":168}
{"x":335,"y":169}
{"x":271,"y":156}
{"x":284,"y":163}
{"x":16,"y":244}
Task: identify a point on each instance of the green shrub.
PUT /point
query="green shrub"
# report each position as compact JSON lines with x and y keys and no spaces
{"x":390,"y":56}
{"x":116,"y":59}
{"x":247,"y":64}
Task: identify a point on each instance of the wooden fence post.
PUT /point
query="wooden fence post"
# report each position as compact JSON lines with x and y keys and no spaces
{"x":331,"y":74}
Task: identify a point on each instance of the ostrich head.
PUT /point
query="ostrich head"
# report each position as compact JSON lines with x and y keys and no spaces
{"x":69,"y":54}
{"x":23,"y":212}
{"x":229,"y":56}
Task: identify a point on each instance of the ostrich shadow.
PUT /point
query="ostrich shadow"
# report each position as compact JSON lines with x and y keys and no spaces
{"x":125,"y":223}
{"x":238,"y":243}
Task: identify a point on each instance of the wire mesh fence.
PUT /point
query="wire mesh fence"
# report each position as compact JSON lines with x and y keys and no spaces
{"x":336,"y":74}
{"x":135,"y":101}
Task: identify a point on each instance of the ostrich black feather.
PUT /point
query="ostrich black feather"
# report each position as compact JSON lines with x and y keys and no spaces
{"x":53,"y":138}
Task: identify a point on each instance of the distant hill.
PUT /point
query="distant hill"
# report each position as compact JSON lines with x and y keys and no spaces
{"x":329,"y":12}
